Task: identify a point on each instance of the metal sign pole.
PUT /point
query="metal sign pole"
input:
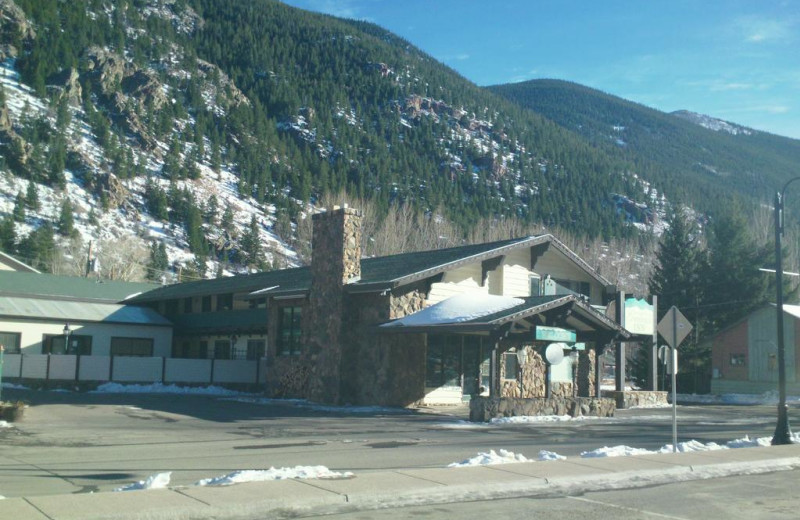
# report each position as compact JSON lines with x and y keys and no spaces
{"x":672,"y":352}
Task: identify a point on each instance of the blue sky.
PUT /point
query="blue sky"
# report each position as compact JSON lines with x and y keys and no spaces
{"x":738,"y":60}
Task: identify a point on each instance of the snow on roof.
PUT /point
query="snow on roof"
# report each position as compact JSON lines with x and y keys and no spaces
{"x":456,"y":309}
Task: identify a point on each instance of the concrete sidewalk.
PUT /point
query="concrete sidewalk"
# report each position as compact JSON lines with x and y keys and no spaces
{"x":382,"y":489}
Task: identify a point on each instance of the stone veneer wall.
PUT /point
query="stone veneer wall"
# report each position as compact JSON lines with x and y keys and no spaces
{"x":335,"y":260}
{"x":533,"y":377}
{"x":632,"y":398}
{"x":484,"y":409}
{"x":378,"y":368}
{"x":586,"y":363}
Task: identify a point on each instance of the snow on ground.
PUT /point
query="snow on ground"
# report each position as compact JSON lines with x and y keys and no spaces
{"x":157,"y":481}
{"x":550,"y":455}
{"x":158,"y":388}
{"x":491,"y":458}
{"x":297,"y":472}
{"x":528,"y":419}
{"x":6,"y":424}
{"x":12,"y":386}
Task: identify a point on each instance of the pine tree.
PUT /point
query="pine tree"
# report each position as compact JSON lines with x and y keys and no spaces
{"x":19,"y":208}
{"x":227,"y":220}
{"x":32,"y":197}
{"x":734,"y":284}
{"x":251,"y":244}
{"x":8,"y":235}
{"x":159,"y":261}
{"x":66,"y":220}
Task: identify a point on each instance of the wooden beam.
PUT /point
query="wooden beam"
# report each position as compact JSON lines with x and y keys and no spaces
{"x":490,"y":265}
{"x":536,"y":252}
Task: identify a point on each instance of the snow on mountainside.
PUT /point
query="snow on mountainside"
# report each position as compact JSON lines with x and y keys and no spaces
{"x":128,"y":228}
{"x":712,"y":123}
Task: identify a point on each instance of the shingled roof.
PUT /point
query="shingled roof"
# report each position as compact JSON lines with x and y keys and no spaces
{"x":377,"y":274}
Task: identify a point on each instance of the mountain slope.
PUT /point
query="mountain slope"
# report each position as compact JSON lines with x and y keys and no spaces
{"x":675,"y":150}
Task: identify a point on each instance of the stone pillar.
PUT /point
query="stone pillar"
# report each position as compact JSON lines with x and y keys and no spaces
{"x":587,"y":373}
{"x":335,"y":262}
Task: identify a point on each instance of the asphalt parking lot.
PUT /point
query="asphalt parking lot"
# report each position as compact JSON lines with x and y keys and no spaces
{"x":85,"y":442}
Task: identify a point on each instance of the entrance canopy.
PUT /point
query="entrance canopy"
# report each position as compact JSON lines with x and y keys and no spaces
{"x":490,"y":314}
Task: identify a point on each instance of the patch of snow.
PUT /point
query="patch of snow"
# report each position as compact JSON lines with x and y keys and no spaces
{"x":157,"y":481}
{"x":491,"y":458}
{"x":527,"y":419}
{"x":545,"y":455}
{"x":6,"y":424}
{"x":158,"y":388}
{"x":615,"y":451}
{"x":297,"y":472}
{"x":12,"y":386}
{"x":457,"y":309}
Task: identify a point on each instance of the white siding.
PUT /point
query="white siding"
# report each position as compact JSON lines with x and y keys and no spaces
{"x":32,"y":333}
{"x":188,"y":371}
{"x":557,"y":265}
{"x":516,"y":273}
{"x":465,"y":279}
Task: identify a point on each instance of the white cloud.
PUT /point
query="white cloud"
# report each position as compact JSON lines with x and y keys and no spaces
{"x":756,"y":29}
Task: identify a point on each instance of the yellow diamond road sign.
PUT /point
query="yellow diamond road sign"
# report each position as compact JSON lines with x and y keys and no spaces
{"x":674,"y":327}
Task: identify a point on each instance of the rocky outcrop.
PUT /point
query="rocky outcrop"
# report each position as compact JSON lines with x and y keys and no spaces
{"x":484,"y":409}
{"x":13,"y":23}
{"x":16,"y":150}
{"x":67,"y":84}
{"x":227,"y":91}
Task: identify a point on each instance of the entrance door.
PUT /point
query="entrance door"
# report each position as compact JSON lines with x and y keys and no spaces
{"x":472,"y":365}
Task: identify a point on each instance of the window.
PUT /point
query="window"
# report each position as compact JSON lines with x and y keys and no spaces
{"x":255,"y":348}
{"x":171,"y":308}
{"x":187,"y":306}
{"x":258,"y":303}
{"x":573,"y":287}
{"x":10,"y":342}
{"x":738,"y":360}
{"x":239,"y":350}
{"x":510,"y":365}
{"x":224,"y":302}
{"x":222,"y":349}
{"x":289,"y":329}
{"x":57,"y":344}
{"x":136,"y":347}
{"x":443,"y":364}
{"x":206,"y":304}
{"x":536,"y":285}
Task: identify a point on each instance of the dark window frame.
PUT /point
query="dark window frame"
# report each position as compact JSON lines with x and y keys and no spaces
{"x":290,"y":325}
{"x":85,"y":347}
{"x":114,"y":349}
{"x":17,"y":347}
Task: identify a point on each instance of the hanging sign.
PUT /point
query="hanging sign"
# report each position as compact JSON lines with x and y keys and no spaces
{"x":554,"y":334}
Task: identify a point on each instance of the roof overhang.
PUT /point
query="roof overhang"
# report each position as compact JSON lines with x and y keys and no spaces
{"x":567,"y":311}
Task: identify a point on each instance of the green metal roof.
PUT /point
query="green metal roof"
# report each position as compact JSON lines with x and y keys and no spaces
{"x":294,"y":279}
{"x":79,"y":311}
{"x":52,"y":286}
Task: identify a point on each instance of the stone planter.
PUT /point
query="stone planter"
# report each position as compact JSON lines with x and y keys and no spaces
{"x":11,"y":412}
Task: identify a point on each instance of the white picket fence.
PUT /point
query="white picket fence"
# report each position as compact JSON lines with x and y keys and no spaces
{"x":123,"y":369}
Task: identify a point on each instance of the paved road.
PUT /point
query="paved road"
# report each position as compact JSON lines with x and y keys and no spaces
{"x":771,"y":496}
{"x":73,"y":443}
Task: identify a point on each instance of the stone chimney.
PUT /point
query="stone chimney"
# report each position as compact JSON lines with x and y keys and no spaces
{"x":335,"y":262}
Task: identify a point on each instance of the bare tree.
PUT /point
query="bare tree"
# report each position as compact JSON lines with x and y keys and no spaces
{"x":123,"y":259}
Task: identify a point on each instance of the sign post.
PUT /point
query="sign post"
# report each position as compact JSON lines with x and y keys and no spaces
{"x":674,"y":327}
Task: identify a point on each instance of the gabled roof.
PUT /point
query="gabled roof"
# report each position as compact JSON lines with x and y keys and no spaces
{"x":582,"y":316}
{"x":377,"y":274}
{"x":79,"y":311}
{"x":15,"y":264}
{"x":50,"y":286}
